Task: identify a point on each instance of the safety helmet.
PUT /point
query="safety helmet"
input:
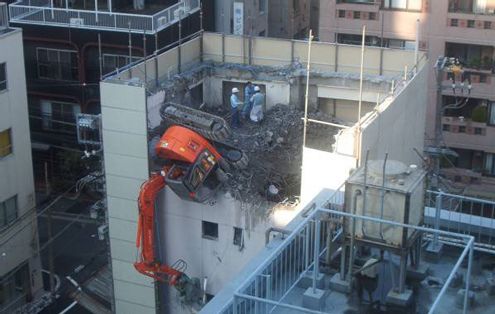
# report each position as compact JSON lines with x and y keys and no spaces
{"x":256,"y":88}
{"x":235,"y":90}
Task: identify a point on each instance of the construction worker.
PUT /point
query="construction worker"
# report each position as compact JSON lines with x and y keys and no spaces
{"x":235,"y":102}
{"x":367,"y":278}
{"x":258,"y":101}
{"x":248,"y":104}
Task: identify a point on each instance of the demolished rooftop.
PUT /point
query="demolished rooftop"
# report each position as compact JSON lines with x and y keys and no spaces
{"x":200,"y":74}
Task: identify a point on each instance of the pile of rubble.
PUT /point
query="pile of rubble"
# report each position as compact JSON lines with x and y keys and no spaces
{"x":274,"y":148}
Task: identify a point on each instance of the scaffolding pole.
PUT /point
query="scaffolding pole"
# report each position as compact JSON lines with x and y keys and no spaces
{"x":306,"y":97}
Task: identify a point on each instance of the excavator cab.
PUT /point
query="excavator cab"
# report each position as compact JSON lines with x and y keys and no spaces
{"x":196,"y":182}
{"x":192,"y":175}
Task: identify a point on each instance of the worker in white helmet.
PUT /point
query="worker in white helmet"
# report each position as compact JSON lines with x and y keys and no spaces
{"x":235,"y":102}
{"x":258,"y":101}
{"x":248,"y":103}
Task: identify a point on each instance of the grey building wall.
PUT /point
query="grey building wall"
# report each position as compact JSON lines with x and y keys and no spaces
{"x":126,"y":168}
{"x":18,"y":240}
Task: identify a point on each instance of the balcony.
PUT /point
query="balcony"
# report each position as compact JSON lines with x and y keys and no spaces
{"x":42,"y":12}
{"x":478,"y":7}
{"x":459,"y":132}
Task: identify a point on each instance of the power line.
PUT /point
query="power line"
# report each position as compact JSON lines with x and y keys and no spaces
{"x":46,"y":208}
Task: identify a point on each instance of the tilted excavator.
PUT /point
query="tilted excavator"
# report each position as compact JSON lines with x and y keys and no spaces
{"x":194,"y":168}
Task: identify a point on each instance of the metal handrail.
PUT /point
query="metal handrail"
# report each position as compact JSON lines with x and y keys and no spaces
{"x":40,"y":12}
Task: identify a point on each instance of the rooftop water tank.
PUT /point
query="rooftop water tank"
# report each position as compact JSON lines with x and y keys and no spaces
{"x":396,"y":196}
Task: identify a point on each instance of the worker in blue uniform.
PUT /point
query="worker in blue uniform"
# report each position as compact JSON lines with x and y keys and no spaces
{"x":248,"y":103}
{"x":235,"y":104}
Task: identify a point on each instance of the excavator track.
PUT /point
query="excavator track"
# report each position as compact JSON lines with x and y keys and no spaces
{"x":210,"y":126}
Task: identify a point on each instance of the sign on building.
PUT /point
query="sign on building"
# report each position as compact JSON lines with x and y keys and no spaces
{"x":238,"y":18}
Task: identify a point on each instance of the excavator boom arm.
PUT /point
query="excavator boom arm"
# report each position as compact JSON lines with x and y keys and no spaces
{"x":145,"y":241}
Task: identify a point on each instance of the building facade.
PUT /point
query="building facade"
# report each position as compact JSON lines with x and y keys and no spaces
{"x":246,"y":17}
{"x":216,"y":239}
{"x":20,"y":269}
{"x":289,"y":19}
{"x":66,"y":55}
{"x":462,"y":29}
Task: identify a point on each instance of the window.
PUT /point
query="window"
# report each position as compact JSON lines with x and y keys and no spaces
{"x":357,"y":15}
{"x":357,"y":1}
{"x":490,"y":164}
{"x":56,"y":64}
{"x":471,"y":24}
{"x":454,"y":22}
{"x":3,"y":76}
{"x":478,"y":131}
{"x":462,"y":129}
{"x":8,"y":211}
{"x":59,"y":115}
{"x":446,"y":127}
{"x":491,"y":115}
{"x":262,"y":5}
{"x":238,"y":236}
{"x":111,"y":62}
{"x":210,"y":230}
{"x":372,"y":16}
{"x":410,"y":5}
{"x":5,"y":143}
{"x":487,"y":25}
{"x":341,"y":13}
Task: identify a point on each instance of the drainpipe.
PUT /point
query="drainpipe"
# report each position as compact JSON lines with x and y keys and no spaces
{"x":275,"y":229}
{"x":353,"y":235}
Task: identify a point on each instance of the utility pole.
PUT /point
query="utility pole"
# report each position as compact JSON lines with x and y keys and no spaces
{"x":439,"y":67}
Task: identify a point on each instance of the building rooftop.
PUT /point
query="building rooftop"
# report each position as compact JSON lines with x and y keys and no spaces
{"x":199,"y":73}
{"x":151,"y":19}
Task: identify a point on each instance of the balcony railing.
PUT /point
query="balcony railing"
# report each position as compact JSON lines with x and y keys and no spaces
{"x":455,"y":6}
{"x":463,"y":125}
{"x":40,"y":12}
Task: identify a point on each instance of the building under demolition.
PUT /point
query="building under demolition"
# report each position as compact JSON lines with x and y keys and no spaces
{"x":342,"y":124}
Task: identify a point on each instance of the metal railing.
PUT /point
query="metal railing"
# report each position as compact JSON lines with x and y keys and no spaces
{"x":42,"y":12}
{"x":268,"y":289}
{"x":462,"y":214}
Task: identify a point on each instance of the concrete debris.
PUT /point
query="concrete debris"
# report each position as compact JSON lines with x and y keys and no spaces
{"x":274,"y":148}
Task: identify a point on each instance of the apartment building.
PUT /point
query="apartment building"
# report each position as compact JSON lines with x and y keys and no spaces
{"x":215,"y":239}
{"x":289,"y":19}
{"x":20,"y":270}
{"x":68,"y":47}
{"x":246,"y":17}
{"x":463,"y":29}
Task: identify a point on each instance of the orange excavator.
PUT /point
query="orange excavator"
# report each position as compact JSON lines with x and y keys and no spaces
{"x":194,"y":169}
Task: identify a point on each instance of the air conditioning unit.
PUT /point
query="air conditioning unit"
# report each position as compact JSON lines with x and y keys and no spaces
{"x":178,"y":13}
{"x":162,"y":21}
{"x":76,"y":21}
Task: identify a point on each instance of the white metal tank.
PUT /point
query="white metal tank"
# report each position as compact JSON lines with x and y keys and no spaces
{"x":397,"y":196}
